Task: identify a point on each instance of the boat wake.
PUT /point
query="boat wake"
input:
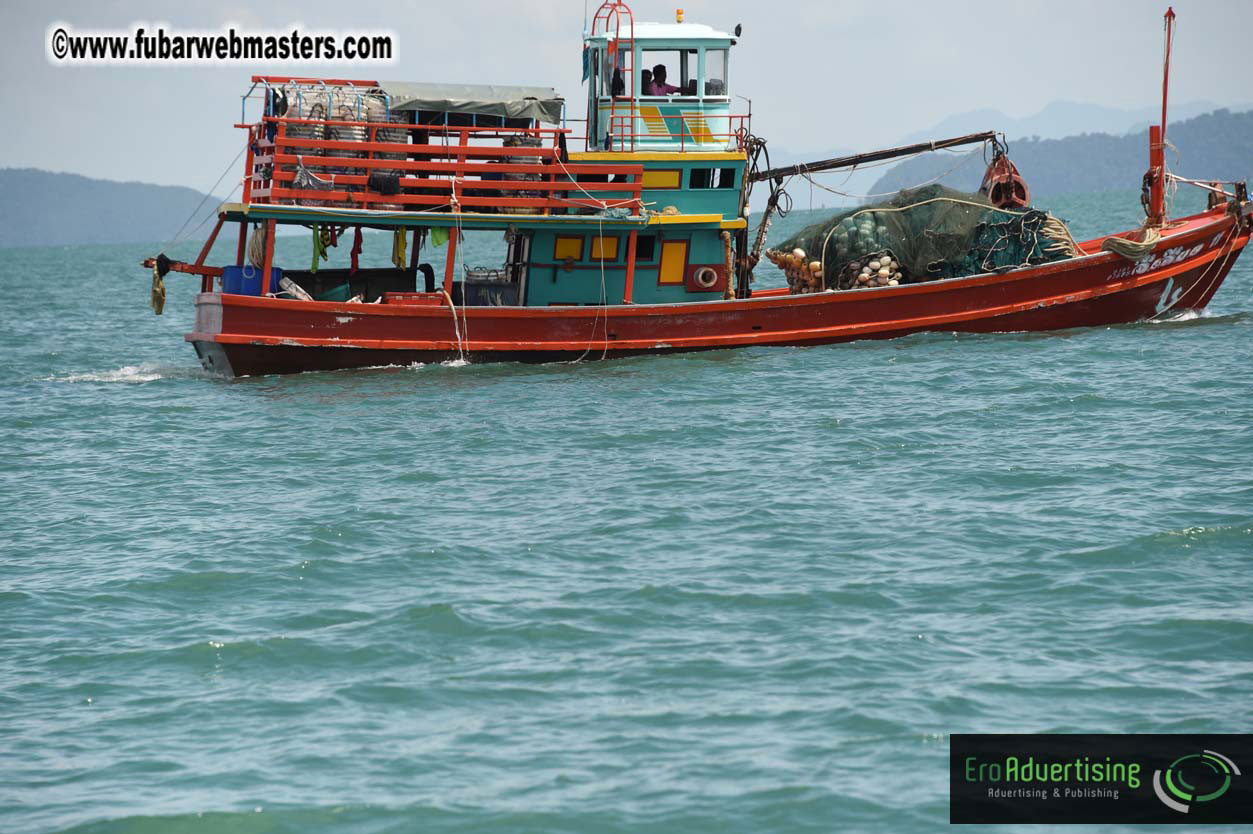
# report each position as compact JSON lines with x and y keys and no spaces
{"x":412,"y":366}
{"x":133,"y":374}
{"x":1207,"y":315}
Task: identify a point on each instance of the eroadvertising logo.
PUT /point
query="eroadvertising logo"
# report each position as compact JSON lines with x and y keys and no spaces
{"x":1213,"y":780}
{"x":1100,"y":779}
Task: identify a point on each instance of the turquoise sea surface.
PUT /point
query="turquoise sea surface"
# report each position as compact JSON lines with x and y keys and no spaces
{"x":738,"y":591}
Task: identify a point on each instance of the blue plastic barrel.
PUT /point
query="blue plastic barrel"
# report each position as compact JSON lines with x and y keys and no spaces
{"x":246,"y":279}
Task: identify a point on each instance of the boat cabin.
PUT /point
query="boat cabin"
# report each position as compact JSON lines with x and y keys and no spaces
{"x":660,"y":87}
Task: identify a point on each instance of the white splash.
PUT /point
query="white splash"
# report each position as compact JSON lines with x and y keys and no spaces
{"x":131,"y":374}
{"x":1185,"y":315}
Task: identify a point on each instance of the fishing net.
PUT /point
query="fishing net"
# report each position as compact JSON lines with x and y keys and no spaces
{"x":921,"y":234}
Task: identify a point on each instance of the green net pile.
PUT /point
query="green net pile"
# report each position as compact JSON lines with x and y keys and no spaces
{"x":933,"y":232}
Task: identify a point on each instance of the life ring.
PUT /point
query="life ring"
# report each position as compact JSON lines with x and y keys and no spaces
{"x":706,"y":277}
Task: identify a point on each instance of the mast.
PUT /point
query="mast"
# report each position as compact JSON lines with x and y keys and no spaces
{"x":1154,"y":198}
{"x":1169,"y":19}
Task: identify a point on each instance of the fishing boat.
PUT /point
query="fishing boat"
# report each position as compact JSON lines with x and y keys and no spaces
{"x":624,"y":233}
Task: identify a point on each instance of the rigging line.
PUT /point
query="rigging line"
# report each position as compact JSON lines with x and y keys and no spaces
{"x":205,"y":219}
{"x":964,"y":161}
{"x":575,"y":182}
{"x":896,"y":160}
{"x":604,"y":305}
{"x":461,"y":261}
{"x":225,"y":171}
{"x":1205,"y":185}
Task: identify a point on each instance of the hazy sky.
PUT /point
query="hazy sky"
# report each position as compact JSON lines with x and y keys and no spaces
{"x":822,"y":74}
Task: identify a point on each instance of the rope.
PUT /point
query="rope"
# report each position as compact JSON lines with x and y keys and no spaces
{"x":1207,"y":186}
{"x":460,"y":261}
{"x":604,"y":206}
{"x":225,"y":171}
{"x":456,"y":328}
{"x":965,"y":159}
{"x":1064,"y":242}
{"x":1132,"y":250}
{"x":256,"y":247}
{"x":604,"y":301}
{"x":213,"y":213}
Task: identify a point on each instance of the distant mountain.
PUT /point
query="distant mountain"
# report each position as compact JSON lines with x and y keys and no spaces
{"x":1217,"y":145}
{"x":1059,"y":119}
{"x":40,"y":208}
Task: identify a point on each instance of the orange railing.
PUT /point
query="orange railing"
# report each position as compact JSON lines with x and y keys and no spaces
{"x":434,"y":168}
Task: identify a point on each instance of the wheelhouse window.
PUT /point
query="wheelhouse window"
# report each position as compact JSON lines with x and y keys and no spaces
{"x":609,"y":77}
{"x":681,"y":68}
{"x":715,"y":72}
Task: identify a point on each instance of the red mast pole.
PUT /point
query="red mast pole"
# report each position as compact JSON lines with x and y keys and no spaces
{"x":1157,"y":136}
{"x":1170,"y":37}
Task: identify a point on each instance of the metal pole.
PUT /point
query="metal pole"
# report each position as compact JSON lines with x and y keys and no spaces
{"x":873,"y":156}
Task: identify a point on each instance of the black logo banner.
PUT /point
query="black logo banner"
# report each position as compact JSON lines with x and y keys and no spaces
{"x":1189,"y":779}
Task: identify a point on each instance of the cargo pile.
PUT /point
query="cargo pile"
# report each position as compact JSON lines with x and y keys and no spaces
{"x":803,"y":275}
{"x":878,"y":270}
{"x":925,"y":234}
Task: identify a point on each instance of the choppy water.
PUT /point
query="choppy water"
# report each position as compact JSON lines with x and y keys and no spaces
{"x":738,"y":591}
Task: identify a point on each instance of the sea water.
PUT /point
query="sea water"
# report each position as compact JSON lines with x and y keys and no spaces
{"x":738,"y":591}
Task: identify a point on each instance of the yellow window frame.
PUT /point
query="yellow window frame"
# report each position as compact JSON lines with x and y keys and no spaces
{"x":668,"y":178}
{"x":604,"y":248}
{"x":673,"y":267}
{"x":568,"y":247}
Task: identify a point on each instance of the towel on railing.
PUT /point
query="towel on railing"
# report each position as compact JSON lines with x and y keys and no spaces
{"x":306,"y":179}
{"x":386,"y":184}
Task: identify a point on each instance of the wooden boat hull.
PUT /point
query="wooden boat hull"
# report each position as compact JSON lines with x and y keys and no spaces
{"x":244,"y":335}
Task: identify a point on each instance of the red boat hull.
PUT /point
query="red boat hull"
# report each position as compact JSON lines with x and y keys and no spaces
{"x":244,"y":335}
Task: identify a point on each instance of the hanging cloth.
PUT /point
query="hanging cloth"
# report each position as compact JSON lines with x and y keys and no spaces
{"x":400,"y":242}
{"x":158,"y":291}
{"x":439,"y":235}
{"x":356,"y":250}
{"x":319,"y":248}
